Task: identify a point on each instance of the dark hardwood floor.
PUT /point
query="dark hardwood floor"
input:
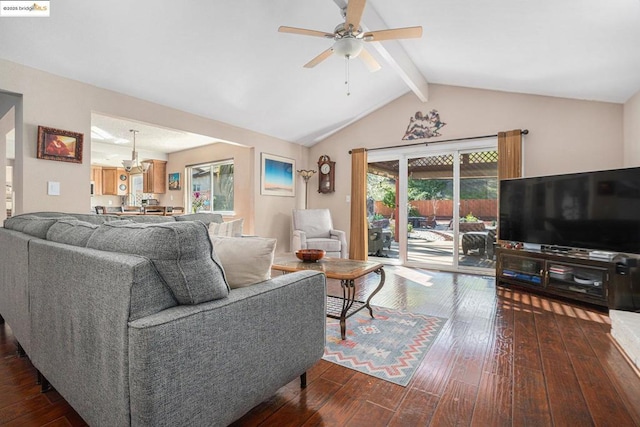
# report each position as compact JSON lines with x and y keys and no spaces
{"x":504,"y":358}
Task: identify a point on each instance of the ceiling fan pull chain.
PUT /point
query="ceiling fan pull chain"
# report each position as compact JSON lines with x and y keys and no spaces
{"x":346,"y":58}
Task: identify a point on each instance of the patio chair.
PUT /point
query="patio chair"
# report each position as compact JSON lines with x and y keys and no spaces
{"x":429,"y":222}
{"x":376,"y":241}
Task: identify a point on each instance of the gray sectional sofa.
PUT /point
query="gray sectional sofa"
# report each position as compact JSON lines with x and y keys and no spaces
{"x":134,"y":324}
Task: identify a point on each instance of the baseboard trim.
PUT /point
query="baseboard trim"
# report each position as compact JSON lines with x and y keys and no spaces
{"x":625,"y":355}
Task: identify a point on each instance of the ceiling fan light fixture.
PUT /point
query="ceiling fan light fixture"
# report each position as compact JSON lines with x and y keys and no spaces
{"x":349,"y":47}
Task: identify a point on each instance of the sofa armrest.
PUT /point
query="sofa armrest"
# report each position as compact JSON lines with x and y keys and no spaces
{"x":81,"y":302}
{"x":14,"y":284}
{"x":298,"y":240}
{"x":342,"y":236}
{"x":221,"y":358}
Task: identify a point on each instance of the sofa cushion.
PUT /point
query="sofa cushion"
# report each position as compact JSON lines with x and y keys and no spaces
{"x":89,"y":217}
{"x":148,"y":219}
{"x":71,"y":232}
{"x":95,"y":219}
{"x":180,"y":251}
{"x":228,"y":229}
{"x":246,"y":260}
{"x":206,"y":217}
{"x":31,"y":224}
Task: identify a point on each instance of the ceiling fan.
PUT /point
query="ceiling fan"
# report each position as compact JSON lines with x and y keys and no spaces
{"x":349,"y":38}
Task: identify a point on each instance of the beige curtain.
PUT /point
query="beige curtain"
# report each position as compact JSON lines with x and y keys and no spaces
{"x":510,"y":154}
{"x":359,"y":232}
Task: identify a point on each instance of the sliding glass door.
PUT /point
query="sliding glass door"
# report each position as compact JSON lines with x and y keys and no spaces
{"x":430,"y":210}
{"x":435,"y":209}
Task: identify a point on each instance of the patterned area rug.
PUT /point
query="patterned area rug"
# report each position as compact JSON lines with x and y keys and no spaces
{"x":389,"y":347}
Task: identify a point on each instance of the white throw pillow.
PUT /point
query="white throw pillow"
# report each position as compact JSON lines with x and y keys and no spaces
{"x":228,"y":229}
{"x":245,"y":260}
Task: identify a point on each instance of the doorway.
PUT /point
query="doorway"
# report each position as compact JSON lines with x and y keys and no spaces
{"x":10,"y":137}
{"x":435,"y":208}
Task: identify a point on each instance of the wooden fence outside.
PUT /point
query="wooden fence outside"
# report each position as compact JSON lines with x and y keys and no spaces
{"x":484,"y":209}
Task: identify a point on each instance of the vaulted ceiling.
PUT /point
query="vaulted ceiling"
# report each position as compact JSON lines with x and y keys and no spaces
{"x":226,"y":60}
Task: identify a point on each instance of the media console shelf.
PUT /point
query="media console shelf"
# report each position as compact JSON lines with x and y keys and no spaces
{"x":573,"y":275}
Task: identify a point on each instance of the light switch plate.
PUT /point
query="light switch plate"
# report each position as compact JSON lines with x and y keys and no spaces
{"x":53,"y":188}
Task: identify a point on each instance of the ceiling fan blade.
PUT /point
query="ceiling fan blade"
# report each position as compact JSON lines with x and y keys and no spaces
{"x":318,"y":59}
{"x":305,"y":32}
{"x":354,"y":13}
{"x":396,"y":33}
{"x":369,"y":60}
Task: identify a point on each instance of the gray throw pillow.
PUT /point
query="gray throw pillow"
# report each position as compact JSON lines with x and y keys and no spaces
{"x":180,"y":251}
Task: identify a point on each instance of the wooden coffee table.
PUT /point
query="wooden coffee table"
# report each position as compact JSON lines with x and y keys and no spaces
{"x":345,"y":270}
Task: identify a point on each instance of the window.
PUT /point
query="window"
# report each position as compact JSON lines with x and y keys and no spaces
{"x":211,"y":187}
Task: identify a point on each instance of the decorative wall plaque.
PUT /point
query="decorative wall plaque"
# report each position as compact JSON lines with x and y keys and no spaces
{"x":424,"y":126}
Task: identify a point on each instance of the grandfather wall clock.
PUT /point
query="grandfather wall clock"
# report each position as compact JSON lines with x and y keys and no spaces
{"x":327,"y":176}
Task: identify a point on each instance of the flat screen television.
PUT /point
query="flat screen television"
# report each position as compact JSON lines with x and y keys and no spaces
{"x":593,"y":210}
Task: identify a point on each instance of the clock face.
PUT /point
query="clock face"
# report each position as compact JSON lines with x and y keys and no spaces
{"x":325,"y":168}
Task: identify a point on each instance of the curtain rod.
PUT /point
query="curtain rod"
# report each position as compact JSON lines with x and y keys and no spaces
{"x":523,"y":132}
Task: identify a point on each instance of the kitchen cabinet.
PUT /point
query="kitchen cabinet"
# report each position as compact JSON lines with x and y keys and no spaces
{"x":96,"y":178}
{"x":109,"y":181}
{"x":115,"y":181}
{"x":154,"y":179}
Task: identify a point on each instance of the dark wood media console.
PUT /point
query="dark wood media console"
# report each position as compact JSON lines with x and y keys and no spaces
{"x":572,"y":275}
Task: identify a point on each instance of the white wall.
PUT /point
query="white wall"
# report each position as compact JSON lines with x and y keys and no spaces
{"x":565,"y":135}
{"x":632,"y":131}
{"x":53,"y":101}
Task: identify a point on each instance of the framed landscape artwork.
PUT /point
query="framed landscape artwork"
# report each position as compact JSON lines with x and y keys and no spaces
{"x":174,"y":181}
{"x":60,"y":145}
{"x":277,"y":178}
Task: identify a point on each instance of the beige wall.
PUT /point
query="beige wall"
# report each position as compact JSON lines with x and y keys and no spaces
{"x":61,"y":103}
{"x":632,"y":131}
{"x":565,"y":135}
{"x":243,"y":189}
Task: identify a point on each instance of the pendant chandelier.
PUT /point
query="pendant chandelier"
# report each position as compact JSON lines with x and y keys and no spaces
{"x":133,"y":165}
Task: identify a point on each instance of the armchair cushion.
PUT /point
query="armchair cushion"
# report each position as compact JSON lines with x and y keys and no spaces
{"x":327,"y":245}
{"x":314,"y":222}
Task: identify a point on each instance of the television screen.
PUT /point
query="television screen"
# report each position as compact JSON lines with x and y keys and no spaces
{"x":592,"y":210}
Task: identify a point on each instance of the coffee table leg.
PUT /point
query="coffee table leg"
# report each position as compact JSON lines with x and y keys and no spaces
{"x":348,"y":297}
{"x":380,"y":271}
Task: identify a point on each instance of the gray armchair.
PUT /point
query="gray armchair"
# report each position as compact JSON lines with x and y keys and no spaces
{"x":313,"y":229}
